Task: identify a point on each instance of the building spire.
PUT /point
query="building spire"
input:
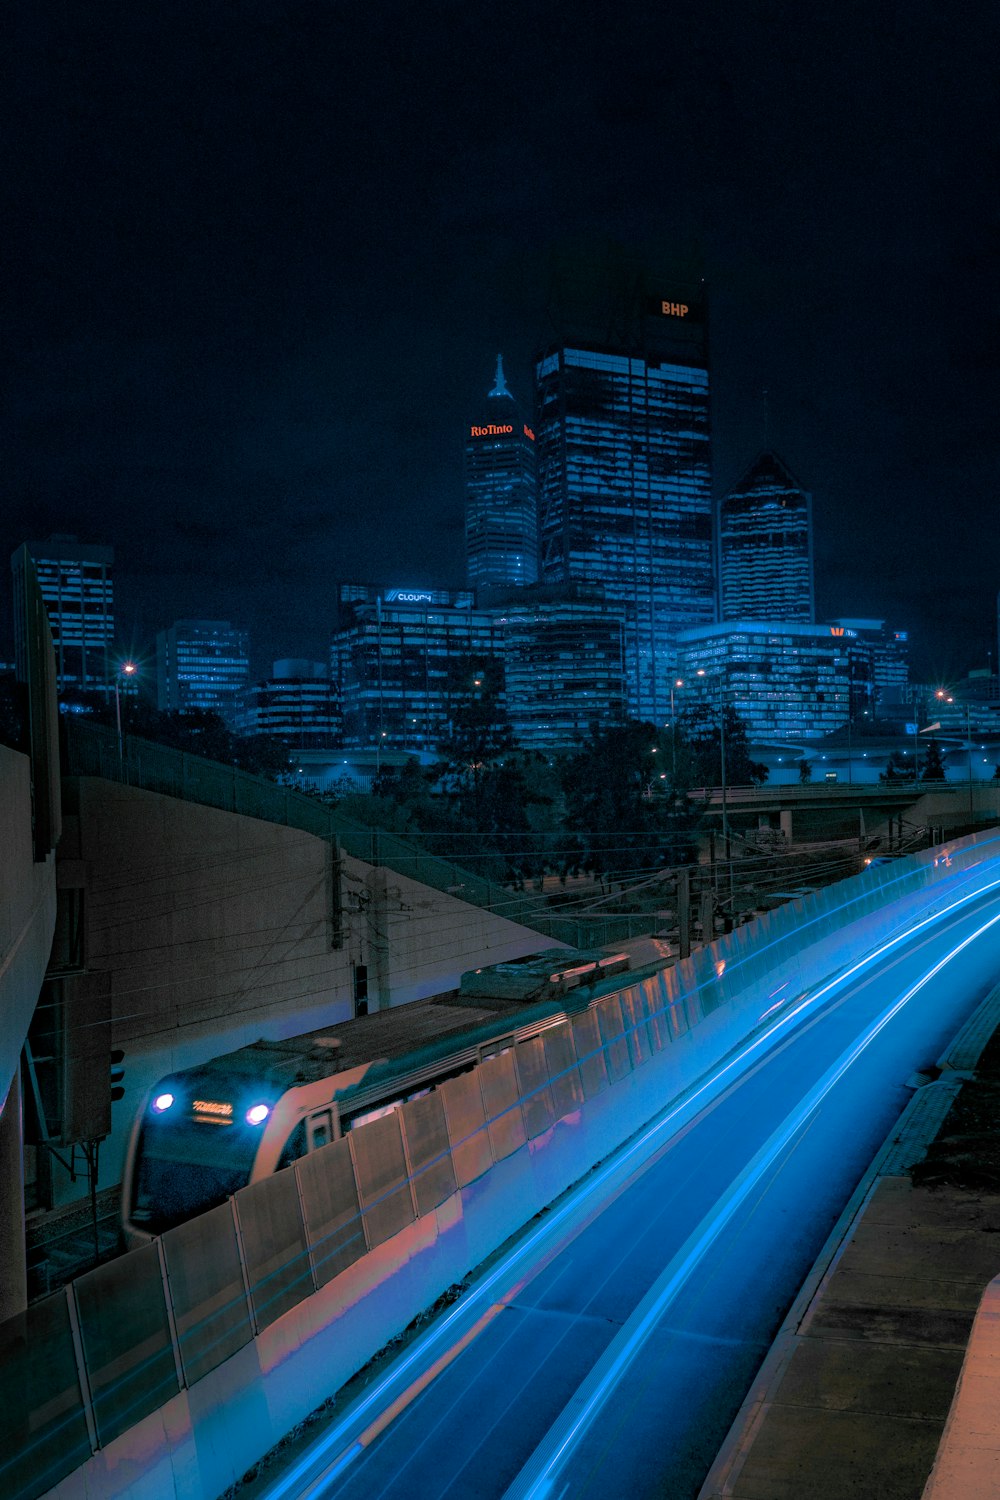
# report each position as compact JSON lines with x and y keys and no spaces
{"x":499,"y":384}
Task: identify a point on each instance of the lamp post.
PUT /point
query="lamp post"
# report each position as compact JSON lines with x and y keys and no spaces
{"x":722,"y":757}
{"x":127,"y":669}
{"x":946,"y":697}
{"x":677,"y":682}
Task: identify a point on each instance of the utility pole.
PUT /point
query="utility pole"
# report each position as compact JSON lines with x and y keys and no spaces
{"x":684,"y":913}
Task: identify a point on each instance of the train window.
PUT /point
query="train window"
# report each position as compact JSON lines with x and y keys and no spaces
{"x":496,"y":1048}
{"x":294,"y":1147}
{"x":374,"y":1114}
{"x":320,"y":1130}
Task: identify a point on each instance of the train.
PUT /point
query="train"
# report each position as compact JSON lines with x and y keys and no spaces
{"x":206,"y":1131}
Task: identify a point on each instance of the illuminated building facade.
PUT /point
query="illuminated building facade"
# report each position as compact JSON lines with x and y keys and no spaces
{"x":202,"y":665}
{"x":622,"y":423}
{"x":76,"y":585}
{"x":890,"y":660}
{"x":563,"y":656}
{"x":402,"y":659}
{"x":786,"y":681}
{"x":501,"y":498}
{"x":765,"y":546}
{"x":297,"y":705}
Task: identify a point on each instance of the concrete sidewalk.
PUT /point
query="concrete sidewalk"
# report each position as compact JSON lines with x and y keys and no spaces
{"x":853,"y":1398}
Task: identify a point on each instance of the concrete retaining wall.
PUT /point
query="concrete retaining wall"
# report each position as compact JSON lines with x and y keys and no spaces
{"x":217,"y":929}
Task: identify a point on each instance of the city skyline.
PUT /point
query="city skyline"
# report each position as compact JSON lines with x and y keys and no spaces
{"x":244,"y":332}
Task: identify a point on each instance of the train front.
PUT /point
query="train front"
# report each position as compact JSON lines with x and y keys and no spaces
{"x":194,"y":1143}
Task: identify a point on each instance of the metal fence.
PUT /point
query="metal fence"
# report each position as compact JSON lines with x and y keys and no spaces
{"x":94,"y":750}
{"x":85,"y":1364}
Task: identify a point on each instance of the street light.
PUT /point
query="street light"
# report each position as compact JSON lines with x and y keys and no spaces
{"x":722,"y":752}
{"x":946,"y":697}
{"x":678,"y":682}
{"x":127,"y":669}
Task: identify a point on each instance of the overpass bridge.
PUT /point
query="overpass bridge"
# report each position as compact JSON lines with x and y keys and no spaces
{"x":723,"y":1090}
{"x":839,"y":809}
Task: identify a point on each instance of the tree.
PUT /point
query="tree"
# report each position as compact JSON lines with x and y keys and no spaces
{"x":898,"y":768}
{"x":701,"y":731}
{"x":621,"y":804}
{"x":933,"y":767}
{"x":479,"y":728}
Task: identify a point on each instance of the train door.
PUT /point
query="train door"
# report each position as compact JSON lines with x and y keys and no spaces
{"x":319,"y":1129}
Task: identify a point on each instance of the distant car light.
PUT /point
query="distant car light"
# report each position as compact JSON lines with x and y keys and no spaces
{"x":162,"y":1102}
{"x":258,"y":1113}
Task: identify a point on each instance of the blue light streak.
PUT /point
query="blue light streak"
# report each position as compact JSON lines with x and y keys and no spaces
{"x":537,"y":1478}
{"x":620,"y":1164}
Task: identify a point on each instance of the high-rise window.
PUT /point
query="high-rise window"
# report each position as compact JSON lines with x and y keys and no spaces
{"x":75,"y":581}
{"x":202,"y":664}
{"x":501,"y":501}
{"x":625,"y":476}
{"x":765,"y":546}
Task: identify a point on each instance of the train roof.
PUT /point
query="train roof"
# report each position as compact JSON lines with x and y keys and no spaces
{"x":490,"y":1003}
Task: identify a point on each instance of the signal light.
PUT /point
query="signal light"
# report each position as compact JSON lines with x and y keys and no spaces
{"x":257,"y":1114}
{"x":117,"y":1074}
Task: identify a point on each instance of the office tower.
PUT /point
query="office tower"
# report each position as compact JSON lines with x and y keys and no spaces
{"x":403,"y":659}
{"x":786,"y":681}
{"x":890,"y":661}
{"x":76,"y":585}
{"x":297,"y":705}
{"x":563,"y":663}
{"x":765,"y":546}
{"x":202,"y":664}
{"x":501,"y":500}
{"x":622,"y":425}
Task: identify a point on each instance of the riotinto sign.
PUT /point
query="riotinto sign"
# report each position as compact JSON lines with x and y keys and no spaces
{"x":491,"y":429}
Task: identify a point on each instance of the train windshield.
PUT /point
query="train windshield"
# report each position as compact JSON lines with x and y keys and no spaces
{"x":185,"y":1167}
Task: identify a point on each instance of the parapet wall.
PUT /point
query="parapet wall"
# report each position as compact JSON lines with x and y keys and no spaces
{"x":216,"y":929}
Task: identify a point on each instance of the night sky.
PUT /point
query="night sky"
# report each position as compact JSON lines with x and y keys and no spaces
{"x":261,"y":257}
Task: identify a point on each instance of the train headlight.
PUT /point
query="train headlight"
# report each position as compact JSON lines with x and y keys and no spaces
{"x":258,"y":1113}
{"x":162,"y":1102}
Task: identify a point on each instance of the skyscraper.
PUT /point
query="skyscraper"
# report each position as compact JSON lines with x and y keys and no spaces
{"x":890,"y":660}
{"x":786,"y":681}
{"x":562,"y":655}
{"x":75,"y":580}
{"x":398,"y":659}
{"x":765,"y":546}
{"x":202,"y":664}
{"x":298,"y":705}
{"x":501,"y":500}
{"x":624,"y":464}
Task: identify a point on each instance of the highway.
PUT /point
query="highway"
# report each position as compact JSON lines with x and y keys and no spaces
{"x":616,"y":1353}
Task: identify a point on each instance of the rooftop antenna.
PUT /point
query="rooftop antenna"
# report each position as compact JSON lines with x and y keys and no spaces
{"x":499,"y":384}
